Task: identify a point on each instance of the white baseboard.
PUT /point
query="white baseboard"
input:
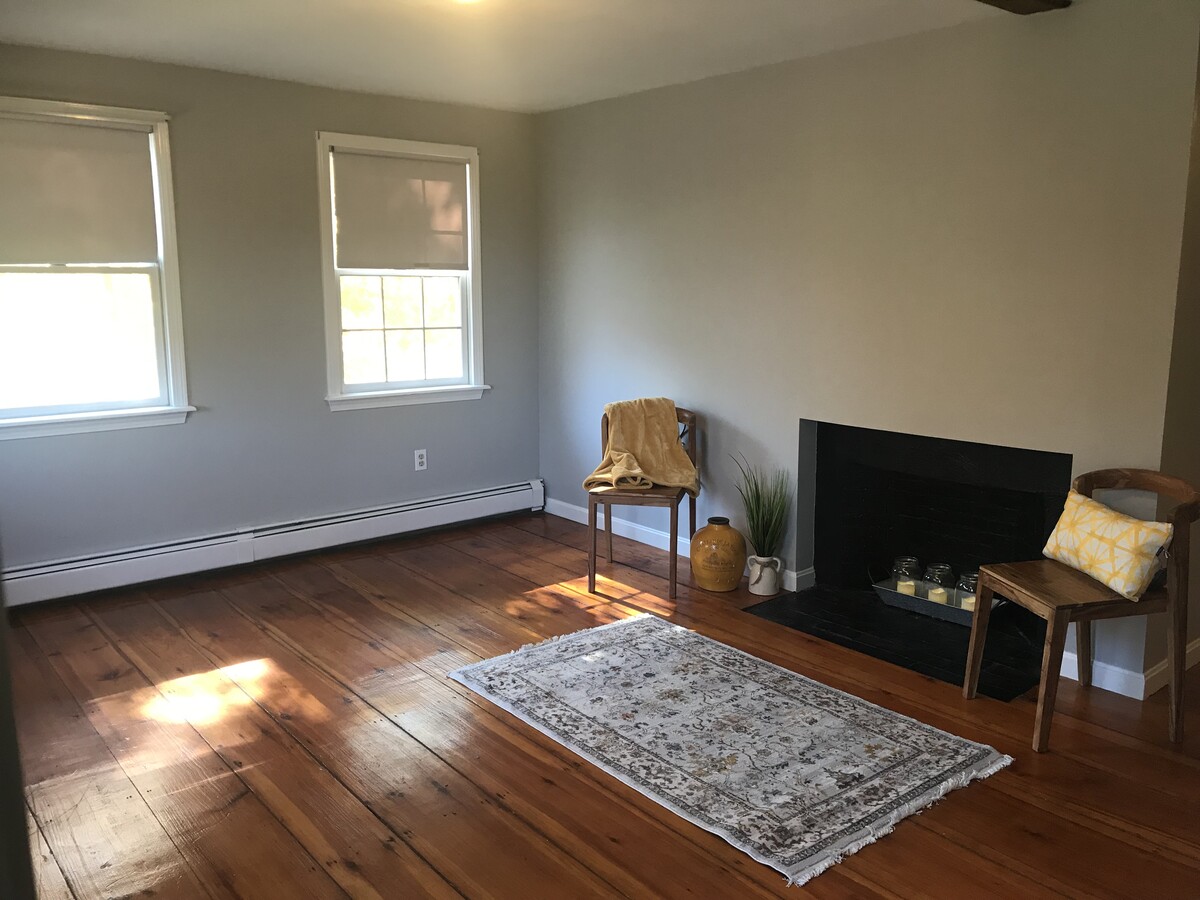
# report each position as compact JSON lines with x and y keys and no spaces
{"x":1127,"y":682}
{"x":652,"y":537}
{"x":1106,"y":677}
{"x":80,"y":575}
{"x":1157,"y":676}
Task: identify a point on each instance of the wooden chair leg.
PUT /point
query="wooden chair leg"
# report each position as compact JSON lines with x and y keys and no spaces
{"x":1056,"y":640}
{"x":1083,"y":652}
{"x":591,"y":545}
{"x":673,"y":549}
{"x":1176,"y":663}
{"x":608,"y":508}
{"x":979,"y":626}
{"x":691,"y":517}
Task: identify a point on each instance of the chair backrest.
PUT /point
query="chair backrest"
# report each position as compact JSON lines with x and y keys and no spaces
{"x":687,"y":435}
{"x":1183,"y":493}
{"x":1187,"y":508}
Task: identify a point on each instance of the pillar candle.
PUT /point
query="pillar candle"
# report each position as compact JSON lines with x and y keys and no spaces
{"x":937,"y":594}
{"x":907,"y":587}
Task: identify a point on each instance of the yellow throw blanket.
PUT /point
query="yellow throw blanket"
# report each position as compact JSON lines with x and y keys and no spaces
{"x":644,"y":449}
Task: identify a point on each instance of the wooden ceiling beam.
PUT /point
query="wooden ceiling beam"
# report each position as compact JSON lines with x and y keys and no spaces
{"x":1027,"y":7}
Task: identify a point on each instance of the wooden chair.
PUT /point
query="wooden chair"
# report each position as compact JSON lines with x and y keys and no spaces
{"x":1062,"y":595}
{"x":609,"y":497}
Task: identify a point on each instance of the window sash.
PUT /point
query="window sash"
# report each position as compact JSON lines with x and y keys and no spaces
{"x":160,"y":345}
{"x":465,"y":328}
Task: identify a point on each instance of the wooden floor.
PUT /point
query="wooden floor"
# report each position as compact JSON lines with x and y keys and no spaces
{"x":286,"y":731}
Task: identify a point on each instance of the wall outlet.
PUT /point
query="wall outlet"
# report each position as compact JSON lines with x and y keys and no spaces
{"x":420,"y":460}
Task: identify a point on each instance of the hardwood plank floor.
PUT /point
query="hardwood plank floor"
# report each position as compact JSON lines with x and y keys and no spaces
{"x":287,"y":730}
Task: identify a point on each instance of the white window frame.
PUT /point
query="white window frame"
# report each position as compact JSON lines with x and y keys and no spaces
{"x":366,"y":396}
{"x":164,"y":288}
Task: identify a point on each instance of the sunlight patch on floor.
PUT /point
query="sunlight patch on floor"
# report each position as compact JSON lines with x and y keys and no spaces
{"x":208,"y":697}
{"x":558,"y":597}
{"x":612,"y":589}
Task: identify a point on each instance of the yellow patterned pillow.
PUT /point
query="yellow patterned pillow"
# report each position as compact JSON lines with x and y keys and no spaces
{"x":1117,"y":550}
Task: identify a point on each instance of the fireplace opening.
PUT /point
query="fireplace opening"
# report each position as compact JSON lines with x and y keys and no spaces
{"x":868,"y":496}
{"x":882,"y":494}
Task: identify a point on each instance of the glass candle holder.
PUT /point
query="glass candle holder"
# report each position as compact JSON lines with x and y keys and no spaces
{"x":905,"y":571}
{"x":939,"y":579}
{"x":967,"y":584}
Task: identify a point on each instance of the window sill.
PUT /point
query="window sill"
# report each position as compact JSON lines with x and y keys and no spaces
{"x":410,"y":397}
{"x":106,"y":420}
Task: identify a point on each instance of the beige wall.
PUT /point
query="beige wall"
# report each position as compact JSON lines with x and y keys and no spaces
{"x":971,"y":233}
{"x":264,"y":446}
{"x":1181,"y":431}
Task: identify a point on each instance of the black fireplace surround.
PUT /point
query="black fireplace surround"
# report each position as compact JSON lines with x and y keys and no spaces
{"x":866,"y":497}
{"x":881,"y":494}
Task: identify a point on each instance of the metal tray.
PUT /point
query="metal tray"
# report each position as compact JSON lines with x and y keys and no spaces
{"x":951,"y":611}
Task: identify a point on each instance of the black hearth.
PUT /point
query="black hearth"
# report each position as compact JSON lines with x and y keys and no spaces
{"x":858,"y":620}
{"x":868,"y":496}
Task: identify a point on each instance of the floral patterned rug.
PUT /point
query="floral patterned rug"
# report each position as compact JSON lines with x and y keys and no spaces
{"x":794,"y":773}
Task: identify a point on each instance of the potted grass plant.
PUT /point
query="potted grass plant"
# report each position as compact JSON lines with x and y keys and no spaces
{"x":767,"y":497}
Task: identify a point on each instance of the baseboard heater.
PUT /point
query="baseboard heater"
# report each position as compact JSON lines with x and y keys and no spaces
{"x":81,"y":575}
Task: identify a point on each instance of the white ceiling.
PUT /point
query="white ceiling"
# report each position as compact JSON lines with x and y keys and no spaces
{"x":512,"y":54}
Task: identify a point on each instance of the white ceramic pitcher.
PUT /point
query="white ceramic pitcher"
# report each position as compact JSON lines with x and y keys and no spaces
{"x":765,"y":572}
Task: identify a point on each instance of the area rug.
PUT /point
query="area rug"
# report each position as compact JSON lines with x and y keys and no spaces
{"x":786,"y":769}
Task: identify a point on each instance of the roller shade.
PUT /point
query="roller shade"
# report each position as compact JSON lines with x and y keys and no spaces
{"x":75,"y":194}
{"x":394,"y":212}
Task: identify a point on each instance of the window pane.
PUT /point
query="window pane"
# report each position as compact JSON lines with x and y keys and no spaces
{"x":362,"y":301}
{"x":362,"y":357}
{"x":77,"y":338}
{"x":405,"y":355}
{"x":402,"y":301}
{"x":444,"y":353}
{"x":443,"y":302}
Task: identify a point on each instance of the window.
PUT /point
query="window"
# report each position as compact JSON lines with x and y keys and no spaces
{"x":401,"y":260}
{"x":90,"y":335}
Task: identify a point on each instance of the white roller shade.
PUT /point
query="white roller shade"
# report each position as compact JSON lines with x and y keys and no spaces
{"x":393,"y":212}
{"x":75,"y":194}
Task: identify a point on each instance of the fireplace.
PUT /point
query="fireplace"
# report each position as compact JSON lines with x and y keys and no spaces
{"x":866,"y":497}
{"x":876,"y":495}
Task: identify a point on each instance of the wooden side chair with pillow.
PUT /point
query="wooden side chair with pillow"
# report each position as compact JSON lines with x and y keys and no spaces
{"x":1061,"y":595}
{"x":655,"y":496}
